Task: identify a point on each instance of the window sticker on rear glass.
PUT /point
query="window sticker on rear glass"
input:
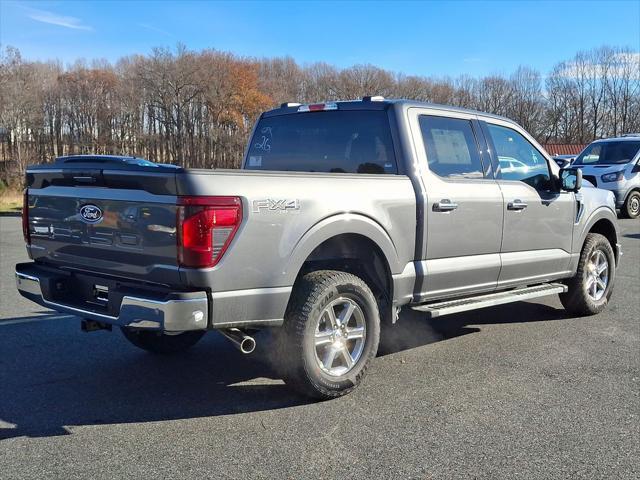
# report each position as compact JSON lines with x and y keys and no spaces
{"x":255,"y":161}
{"x":264,"y":139}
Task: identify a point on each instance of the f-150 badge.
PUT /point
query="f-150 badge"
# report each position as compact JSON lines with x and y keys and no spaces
{"x":275,"y":205}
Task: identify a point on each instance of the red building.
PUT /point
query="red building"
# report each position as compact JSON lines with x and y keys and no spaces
{"x":563,"y":149}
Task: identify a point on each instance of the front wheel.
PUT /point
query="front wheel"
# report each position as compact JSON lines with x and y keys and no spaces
{"x":162,"y":343}
{"x":631,"y":207}
{"x":330,"y":335}
{"x":591,"y":287}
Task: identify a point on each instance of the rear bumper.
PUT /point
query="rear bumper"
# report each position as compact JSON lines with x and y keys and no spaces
{"x":175,"y":312}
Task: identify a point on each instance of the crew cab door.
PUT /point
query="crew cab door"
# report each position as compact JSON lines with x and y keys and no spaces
{"x":538,"y":219}
{"x":462,"y":205}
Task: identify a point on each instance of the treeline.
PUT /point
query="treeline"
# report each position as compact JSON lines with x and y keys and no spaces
{"x":196,"y":108}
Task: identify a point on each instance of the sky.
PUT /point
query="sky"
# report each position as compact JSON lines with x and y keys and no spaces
{"x":415,"y":38}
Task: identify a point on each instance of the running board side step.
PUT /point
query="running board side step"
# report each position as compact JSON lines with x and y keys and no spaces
{"x":448,"y":307}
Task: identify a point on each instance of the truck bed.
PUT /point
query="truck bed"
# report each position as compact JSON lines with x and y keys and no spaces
{"x":285,"y":216}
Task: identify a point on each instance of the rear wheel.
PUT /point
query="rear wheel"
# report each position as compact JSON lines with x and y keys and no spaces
{"x":631,"y":207}
{"x":330,"y":335}
{"x":162,"y":343}
{"x":591,"y":287}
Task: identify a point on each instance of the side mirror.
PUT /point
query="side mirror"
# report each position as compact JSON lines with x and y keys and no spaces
{"x":571,"y":179}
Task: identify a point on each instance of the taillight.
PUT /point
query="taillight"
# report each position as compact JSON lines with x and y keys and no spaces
{"x":25,"y":217}
{"x":206,"y":226}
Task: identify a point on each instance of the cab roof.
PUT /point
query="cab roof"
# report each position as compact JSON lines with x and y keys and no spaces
{"x":378,"y":103}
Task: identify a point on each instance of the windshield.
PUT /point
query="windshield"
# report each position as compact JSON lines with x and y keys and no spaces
{"x":348,"y":141}
{"x":608,"y":153}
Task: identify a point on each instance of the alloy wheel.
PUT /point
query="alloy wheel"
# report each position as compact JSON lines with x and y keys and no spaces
{"x":339,"y":336}
{"x":597,"y":275}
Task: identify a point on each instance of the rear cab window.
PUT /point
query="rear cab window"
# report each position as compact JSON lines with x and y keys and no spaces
{"x":337,"y":141}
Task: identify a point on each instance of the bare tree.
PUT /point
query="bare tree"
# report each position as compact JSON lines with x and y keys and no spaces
{"x":527,"y":103}
{"x":196,"y":108}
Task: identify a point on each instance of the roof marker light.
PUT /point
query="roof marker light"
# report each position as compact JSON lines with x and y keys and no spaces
{"x":318,"y":107}
{"x":373,"y":98}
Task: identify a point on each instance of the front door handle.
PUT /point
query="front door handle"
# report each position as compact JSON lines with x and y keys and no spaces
{"x":444,"y":205}
{"x":516,"y":205}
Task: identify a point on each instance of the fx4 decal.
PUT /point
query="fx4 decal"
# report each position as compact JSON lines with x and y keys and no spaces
{"x":275,"y":205}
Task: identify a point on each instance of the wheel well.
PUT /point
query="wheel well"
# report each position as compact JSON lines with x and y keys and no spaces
{"x":605,"y":227}
{"x":633,"y":190}
{"x":359,"y":255}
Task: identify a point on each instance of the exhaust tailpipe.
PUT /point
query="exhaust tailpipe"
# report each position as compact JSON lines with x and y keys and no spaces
{"x":243,"y":342}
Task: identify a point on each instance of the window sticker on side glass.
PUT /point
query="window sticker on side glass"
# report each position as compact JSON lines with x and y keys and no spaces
{"x":255,"y":161}
{"x":451,"y":146}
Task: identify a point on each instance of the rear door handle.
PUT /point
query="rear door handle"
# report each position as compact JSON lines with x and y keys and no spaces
{"x":444,"y":205}
{"x":516,"y":205}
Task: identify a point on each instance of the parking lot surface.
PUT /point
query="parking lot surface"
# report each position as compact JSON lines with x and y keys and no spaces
{"x":517,"y":391}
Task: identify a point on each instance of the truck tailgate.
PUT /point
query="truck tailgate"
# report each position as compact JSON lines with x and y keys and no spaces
{"x":112,"y":227}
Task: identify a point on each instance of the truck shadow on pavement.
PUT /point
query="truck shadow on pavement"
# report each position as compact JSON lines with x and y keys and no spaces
{"x":53,"y":378}
{"x":413,"y":330}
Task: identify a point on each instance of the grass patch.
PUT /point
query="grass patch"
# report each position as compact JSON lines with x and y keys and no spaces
{"x":10,"y":201}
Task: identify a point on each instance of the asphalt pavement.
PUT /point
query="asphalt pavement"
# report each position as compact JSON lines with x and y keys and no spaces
{"x":516,"y":391}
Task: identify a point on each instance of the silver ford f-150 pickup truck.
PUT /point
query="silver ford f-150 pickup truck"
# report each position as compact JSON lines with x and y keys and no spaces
{"x":343,"y":214}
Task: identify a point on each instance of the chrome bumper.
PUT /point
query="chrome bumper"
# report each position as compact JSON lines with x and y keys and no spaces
{"x":170,"y":315}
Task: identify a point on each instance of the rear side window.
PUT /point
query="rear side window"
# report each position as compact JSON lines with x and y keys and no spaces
{"x":347,"y":141}
{"x":451,"y":147}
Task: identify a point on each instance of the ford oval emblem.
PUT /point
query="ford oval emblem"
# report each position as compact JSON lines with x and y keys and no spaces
{"x":91,"y":213}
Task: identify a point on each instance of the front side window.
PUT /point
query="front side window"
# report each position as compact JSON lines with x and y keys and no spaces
{"x":518,"y":158}
{"x":608,"y":153}
{"x":451,"y":147}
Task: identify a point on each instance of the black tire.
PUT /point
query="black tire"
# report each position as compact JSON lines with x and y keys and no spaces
{"x":161,"y":343}
{"x":297,"y":349}
{"x":631,"y":207}
{"x":577,"y":300}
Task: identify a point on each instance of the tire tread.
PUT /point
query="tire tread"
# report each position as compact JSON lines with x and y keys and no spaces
{"x":309,"y":290}
{"x":576,"y":300}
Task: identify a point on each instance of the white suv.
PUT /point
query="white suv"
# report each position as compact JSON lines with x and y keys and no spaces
{"x":614,"y":164}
